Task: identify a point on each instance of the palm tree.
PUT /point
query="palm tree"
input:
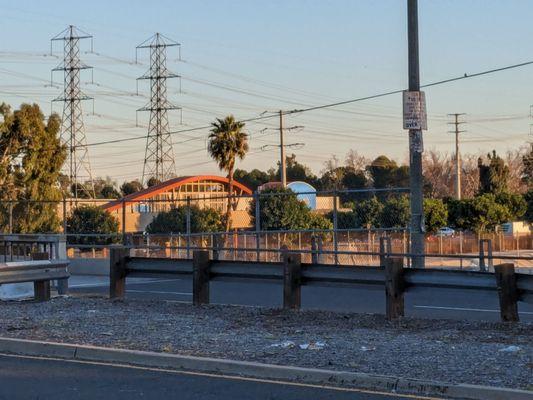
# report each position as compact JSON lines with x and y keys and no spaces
{"x":227,"y":142}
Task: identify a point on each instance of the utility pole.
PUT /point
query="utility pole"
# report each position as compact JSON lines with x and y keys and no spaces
{"x":159,"y":160}
{"x":416,"y":146}
{"x":282,"y":152}
{"x":282,"y":146}
{"x":77,"y":166}
{"x":456,"y":122}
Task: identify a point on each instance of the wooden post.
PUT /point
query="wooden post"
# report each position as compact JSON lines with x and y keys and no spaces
{"x":200,"y":277}
{"x":507,"y":292}
{"x":482,"y":266}
{"x":41,"y":289}
{"x":117,"y":272}
{"x":394,"y":286}
{"x":292,"y":280}
{"x":489,"y":254}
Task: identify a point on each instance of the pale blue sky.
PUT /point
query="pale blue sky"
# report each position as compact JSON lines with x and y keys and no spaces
{"x":245,"y":57}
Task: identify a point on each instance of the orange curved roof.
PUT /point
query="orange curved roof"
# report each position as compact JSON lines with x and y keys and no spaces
{"x":167,"y":185}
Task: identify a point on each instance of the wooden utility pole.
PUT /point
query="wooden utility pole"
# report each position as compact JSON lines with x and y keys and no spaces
{"x":283,"y":165}
{"x":456,"y":122}
{"x":416,"y":146}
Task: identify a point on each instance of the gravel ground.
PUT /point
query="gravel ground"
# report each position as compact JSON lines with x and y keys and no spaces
{"x":470,"y":352}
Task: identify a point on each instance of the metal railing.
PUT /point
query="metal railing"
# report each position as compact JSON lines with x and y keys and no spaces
{"x":15,"y":247}
{"x":40,"y":272}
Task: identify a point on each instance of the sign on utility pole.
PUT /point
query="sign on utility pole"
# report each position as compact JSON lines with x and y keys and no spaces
{"x":414,"y":110}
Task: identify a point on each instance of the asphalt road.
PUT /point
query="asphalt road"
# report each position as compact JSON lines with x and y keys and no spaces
{"x":423,"y":302}
{"x":31,"y":378}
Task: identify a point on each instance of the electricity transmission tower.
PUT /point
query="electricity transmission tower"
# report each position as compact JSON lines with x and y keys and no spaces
{"x":159,"y":160}
{"x":77,"y":166}
{"x":457,"y":160}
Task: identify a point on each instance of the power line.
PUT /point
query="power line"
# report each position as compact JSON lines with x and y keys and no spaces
{"x":329,"y":105}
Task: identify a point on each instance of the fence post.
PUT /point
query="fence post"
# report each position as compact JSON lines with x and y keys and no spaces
{"x":292,"y":280}
{"x":215,"y":245}
{"x":117,"y":271}
{"x":335,"y":227}
{"x":257,"y":226}
{"x":188,"y":227}
{"x":64,"y":215}
{"x":507,"y":292}
{"x":61,"y":254}
{"x":314,"y":250}
{"x":382,"y":252}
{"x":482,"y":266}
{"x":320,"y":247}
{"x":394,"y":286}
{"x":200,"y":282}
{"x":10,"y":217}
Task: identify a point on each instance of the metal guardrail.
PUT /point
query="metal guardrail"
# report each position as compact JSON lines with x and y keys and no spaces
{"x":511,"y":287}
{"x":40,"y":272}
{"x":14,"y":247}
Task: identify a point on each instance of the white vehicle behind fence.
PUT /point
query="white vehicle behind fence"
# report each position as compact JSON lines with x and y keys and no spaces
{"x":445,"y":231}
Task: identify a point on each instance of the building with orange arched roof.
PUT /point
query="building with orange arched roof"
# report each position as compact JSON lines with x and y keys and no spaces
{"x":204,"y":191}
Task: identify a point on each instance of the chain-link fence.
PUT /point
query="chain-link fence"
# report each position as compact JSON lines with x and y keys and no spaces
{"x":342,"y":227}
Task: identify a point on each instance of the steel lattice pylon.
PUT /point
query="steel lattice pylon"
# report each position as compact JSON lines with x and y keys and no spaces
{"x":159,"y":160}
{"x":77,"y":166}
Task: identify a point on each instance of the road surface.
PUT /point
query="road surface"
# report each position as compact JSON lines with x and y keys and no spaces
{"x":33,"y":378}
{"x":422,"y":302}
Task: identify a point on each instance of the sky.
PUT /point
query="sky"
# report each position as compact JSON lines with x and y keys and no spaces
{"x":248,"y":57}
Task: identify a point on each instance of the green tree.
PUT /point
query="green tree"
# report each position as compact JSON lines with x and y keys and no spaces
{"x":252,"y":179}
{"x":528,"y":197}
{"x":479,"y":214}
{"x":296,"y":171}
{"x":131,"y":187}
{"x":435,"y":214}
{"x":227,"y":143}
{"x":527,"y":170}
{"x":152,"y":182}
{"x":31,"y":157}
{"x":175,"y":221}
{"x":280,"y":209}
{"x":345,"y":219}
{"x":91,"y":220}
{"x":493,"y":176}
{"x":515,"y":204}
{"x":396,"y":212}
{"x":108,"y":192}
{"x":368,"y":213}
{"x":385,"y":173}
{"x":105,"y":188}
